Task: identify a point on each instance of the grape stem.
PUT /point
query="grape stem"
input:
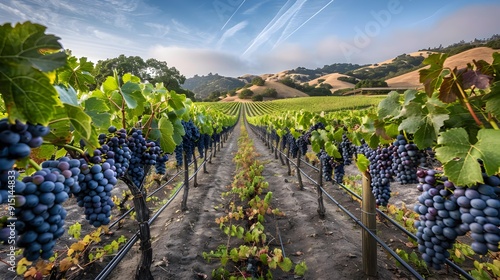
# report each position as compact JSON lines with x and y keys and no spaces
{"x":466,"y":101}
{"x":34,"y":164}
{"x":73,"y":148}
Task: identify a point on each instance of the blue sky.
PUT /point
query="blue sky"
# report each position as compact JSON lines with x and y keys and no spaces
{"x":237,"y":37}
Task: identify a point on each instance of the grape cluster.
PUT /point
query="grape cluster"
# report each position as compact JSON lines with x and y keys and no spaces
{"x":189,"y":139}
{"x":39,"y":212}
{"x":406,"y":159}
{"x":381,"y":174}
{"x":143,"y":152}
{"x":326,"y":163}
{"x":207,"y":141}
{"x":96,"y":182}
{"x":440,"y":219}
{"x":200,"y":144}
{"x":114,"y":146}
{"x":347,"y":148}
{"x":480,"y":209}
{"x":16,"y":142}
{"x":216,"y":137}
{"x":292,"y":145}
{"x":178,"y":155}
{"x":339,"y":172}
{"x":302,"y":144}
{"x":160,"y":164}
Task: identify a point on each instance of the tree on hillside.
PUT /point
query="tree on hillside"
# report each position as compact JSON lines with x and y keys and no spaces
{"x":270,"y":92}
{"x":151,"y":70}
{"x":245,"y":93}
{"x":258,"y":81}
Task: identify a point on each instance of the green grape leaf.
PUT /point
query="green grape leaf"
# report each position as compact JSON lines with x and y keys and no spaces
{"x":286,"y":264}
{"x":409,"y":95}
{"x":178,"y":131}
{"x":101,"y":120}
{"x":132,"y":94}
{"x":362,"y":162}
{"x":77,"y":74}
{"x":316,"y":141}
{"x":67,"y":95}
{"x":424,"y":121}
{"x":331,"y":150}
{"x":96,"y":104}
{"x":60,"y":128}
{"x":389,"y":106}
{"x":176,"y":101}
{"x":27,"y":45}
{"x":28,"y":94}
{"x":80,"y":121}
{"x":25,"y":53}
{"x":432,"y":77}
{"x":300,"y":269}
{"x":110,"y":85}
{"x":493,"y":100}
{"x":460,"y":157}
{"x":167,"y":142}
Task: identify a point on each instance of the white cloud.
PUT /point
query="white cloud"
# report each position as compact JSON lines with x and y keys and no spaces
{"x":230,"y":33}
{"x":191,"y":61}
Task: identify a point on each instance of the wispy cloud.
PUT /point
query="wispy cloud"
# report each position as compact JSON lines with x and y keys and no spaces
{"x":254,"y":8}
{"x":231,"y":32}
{"x":278,"y":22}
{"x":161,"y":29}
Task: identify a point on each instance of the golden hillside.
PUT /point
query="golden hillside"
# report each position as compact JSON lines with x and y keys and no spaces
{"x":460,"y":60}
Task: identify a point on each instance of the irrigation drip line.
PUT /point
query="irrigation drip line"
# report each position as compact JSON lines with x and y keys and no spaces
{"x":379,"y":241}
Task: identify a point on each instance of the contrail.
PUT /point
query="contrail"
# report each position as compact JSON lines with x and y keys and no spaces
{"x":237,"y":9}
{"x":276,"y":23}
{"x":305,"y":22}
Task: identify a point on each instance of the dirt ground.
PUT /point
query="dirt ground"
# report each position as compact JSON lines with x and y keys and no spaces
{"x":330,"y":247}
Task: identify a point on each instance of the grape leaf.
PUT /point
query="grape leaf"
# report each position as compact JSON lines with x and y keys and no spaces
{"x":26,"y":44}
{"x":433,"y":76}
{"x":424,"y":121}
{"x":81,"y":122}
{"x":331,"y":150}
{"x":167,"y":142}
{"x":77,"y":73}
{"x":27,"y":93}
{"x":390,"y":106}
{"x":475,"y":78}
{"x":132,"y":94}
{"x":460,"y":157}
{"x":362,"y":162}
{"x":25,"y":53}
{"x":67,"y":94}
{"x":493,"y":100}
